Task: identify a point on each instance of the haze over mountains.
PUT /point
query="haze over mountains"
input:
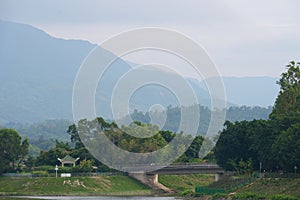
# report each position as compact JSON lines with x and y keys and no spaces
{"x":37,"y":72}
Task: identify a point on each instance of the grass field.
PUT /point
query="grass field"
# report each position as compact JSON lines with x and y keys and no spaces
{"x":269,"y":187}
{"x":78,"y":186}
{"x":266,"y":188}
{"x":182,"y":183}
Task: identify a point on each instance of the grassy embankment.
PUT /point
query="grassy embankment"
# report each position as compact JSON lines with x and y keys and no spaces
{"x":272,"y":188}
{"x":266,"y":188}
{"x":77,"y":186}
{"x":181,"y":183}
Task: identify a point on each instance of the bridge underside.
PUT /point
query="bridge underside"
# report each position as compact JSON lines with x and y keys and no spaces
{"x":176,"y":169}
{"x":150,"y":178}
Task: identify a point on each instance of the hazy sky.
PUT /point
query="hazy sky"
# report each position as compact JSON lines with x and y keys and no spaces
{"x":243,"y":37}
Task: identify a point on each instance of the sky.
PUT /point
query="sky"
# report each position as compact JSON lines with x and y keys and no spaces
{"x":242,"y":37}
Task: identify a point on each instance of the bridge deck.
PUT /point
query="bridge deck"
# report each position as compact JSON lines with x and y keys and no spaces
{"x":176,"y":169}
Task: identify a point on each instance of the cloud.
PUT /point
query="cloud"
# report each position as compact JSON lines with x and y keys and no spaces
{"x":243,"y":37}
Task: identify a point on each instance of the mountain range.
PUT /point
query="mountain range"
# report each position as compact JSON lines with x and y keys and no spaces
{"x":37,"y":73}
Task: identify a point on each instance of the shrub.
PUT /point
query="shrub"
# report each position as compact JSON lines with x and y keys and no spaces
{"x":40,"y":172}
{"x":48,"y":168}
{"x":219,"y":196}
{"x":187,"y":193}
{"x":249,"y":195}
{"x":283,"y":197}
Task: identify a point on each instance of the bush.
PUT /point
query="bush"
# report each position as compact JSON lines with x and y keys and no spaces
{"x":51,"y":169}
{"x":249,"y":195}
{"x":219,"y":196}
{"x":283,"y":197}
{"x":65,"y":169}
{"x":40,"y":172}
{"x":47,"y":168}
{"x":187,"y":193}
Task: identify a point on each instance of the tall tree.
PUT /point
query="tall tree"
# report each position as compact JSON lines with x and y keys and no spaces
{"x":234,"y":144}
{"x":287,"y":147}
{"x":12,"y":149}
{"x":286,"y":115}
{"x":72,"y":131}
{"x":288,"y":100}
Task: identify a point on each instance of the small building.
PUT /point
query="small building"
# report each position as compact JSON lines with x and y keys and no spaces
{"x":68,"y":160}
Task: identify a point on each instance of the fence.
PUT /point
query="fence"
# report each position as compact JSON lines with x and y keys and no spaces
{"x":227,"y":188}
{"x":281,"y":175}
{"x":206,"y":190}
{"x":231,"y":185}
{"x":72,"y":174}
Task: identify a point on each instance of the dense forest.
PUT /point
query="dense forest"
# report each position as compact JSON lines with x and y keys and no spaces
{"x":119,"y":136}
{"x":273,"y":143}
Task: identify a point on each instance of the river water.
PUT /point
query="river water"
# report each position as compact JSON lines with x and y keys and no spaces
{"x":99,"y":198}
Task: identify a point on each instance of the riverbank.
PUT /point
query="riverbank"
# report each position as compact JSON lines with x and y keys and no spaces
{"x":184,"y":185}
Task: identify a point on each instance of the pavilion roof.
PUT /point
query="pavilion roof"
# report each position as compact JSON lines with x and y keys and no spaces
{"x":69,"y":158}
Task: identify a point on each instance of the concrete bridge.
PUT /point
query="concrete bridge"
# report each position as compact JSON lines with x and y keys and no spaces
{"x":148,"y":174}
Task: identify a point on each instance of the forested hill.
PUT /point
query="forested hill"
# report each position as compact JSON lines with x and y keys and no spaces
{"x":232,"y":114}
{"x":43,"y":134}
{"x":36,"y":82}
{"x":247,"y":113}
{"x":37,"y":73}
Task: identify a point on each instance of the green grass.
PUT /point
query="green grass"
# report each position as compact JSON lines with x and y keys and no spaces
{"x":109,"y":185}
{"x":266,"y":188}
{"x":181,"y":183}
{"x":273,"y":188}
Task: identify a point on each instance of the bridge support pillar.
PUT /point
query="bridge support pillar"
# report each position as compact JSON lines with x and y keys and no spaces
{"x":148,"y":179}
{"x":151,"y":180}
{"x":218,"y":176}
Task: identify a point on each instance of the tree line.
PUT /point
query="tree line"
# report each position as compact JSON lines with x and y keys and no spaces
{"x":274,"y":143}
{"x":42,"y":135}
{"x":117,"y":135}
